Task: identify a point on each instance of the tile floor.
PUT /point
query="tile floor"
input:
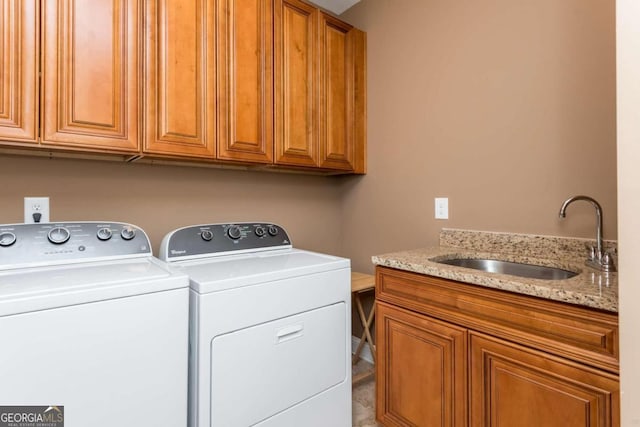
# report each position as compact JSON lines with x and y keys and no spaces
{"x":364,"y":414}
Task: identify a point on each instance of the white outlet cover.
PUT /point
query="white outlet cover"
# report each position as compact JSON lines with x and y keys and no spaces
{"x":36,"y":205}
{"x":442,"y":207}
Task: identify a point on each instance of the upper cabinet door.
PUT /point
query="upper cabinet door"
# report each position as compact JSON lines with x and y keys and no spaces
{"x":296,"y":84}
{"x":337,"y":149}
{"x":18,"y":70}
{"x":245,"y":82}
{"x":180,"y":78}
{"x":90,"y":74}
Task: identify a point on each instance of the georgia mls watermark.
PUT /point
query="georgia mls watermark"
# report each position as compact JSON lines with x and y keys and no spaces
{"x":31,"y":416}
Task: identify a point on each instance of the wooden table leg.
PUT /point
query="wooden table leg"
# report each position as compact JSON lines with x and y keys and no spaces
{"x":367,"y":330}
{"x":366,"y":334}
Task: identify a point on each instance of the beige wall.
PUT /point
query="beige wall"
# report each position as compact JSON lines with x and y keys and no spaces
{"x":505,"y":107}
{"x":161,"y":198}
{"x":628,"y":28}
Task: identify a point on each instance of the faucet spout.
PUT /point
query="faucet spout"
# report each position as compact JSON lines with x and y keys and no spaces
{"x":599,"y":250}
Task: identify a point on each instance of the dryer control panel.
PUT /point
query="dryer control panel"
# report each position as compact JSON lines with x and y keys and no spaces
{"x":200,"y":241}
{"x":26,"y":245}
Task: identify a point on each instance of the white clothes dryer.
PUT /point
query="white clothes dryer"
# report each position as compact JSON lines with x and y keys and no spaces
{"x":270,"y":332}
{"x":93,"y":329}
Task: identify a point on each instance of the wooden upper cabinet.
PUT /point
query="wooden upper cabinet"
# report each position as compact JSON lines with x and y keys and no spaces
{"x":180,"y":113}
{"x":337,"y":149}
{"x":296,"y":84}
{"x":90,"y":74}
{"x":19,"y":70}
{"x":249,"y":81}
{"x":320,"y":89}
{"x":245,"y":80}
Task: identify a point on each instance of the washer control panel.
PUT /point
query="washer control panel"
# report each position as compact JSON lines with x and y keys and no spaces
{"x":221,"y":239}
{"x":23,"y":245}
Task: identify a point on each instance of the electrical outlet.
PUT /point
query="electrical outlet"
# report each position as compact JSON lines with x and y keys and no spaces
{"x":442,"y":208}
{"x":36,"y":209}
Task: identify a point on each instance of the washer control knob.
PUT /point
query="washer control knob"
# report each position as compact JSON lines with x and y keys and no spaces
{"x":58,"y":235}
{"x":206,"y":235}
{"x":104,"y":234}
{"x":260,"y":231}
{"x":7,"y":238}
{"x":234,"y":232}
{"x":273,"y":230}
{"x":128,"y":233}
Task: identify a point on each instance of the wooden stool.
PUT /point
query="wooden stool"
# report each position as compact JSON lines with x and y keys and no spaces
{"x":362,"y":283}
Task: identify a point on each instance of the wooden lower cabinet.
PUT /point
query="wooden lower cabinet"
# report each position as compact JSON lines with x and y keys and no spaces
{"x":448,"y":355}
{"x":512,"y":385}
{"x":421,"y":370}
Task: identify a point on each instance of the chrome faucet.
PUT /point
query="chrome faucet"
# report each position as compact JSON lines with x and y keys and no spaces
{"x":598,"y":258}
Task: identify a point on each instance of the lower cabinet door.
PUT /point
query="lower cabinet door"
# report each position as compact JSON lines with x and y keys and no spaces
{"x":513,"y":385}
{"x":421,"y":370}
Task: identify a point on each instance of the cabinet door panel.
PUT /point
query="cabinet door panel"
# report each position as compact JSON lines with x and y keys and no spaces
{"x":421,"y":370}
{"x":296,"y":84}
{"x":180,"y":78}
{"x":90,"y":74}
{"x":336,"y":94}
{"x":513,"y":385}
{"x":245,"y":69}
{"x":18,"y":70}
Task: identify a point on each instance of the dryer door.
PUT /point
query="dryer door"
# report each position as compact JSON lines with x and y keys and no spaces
{"x":263,"y":370}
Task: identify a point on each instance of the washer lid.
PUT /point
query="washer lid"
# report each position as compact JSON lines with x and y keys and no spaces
{"x":42,"y":288}
{"x":235,"y":271}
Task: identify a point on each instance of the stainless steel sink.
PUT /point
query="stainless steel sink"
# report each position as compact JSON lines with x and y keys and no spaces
{"x":512,"y":268}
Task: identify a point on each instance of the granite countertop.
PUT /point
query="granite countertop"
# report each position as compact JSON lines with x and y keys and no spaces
{"x":589,"y":287}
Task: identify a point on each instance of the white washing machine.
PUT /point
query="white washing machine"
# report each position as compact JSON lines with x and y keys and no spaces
{"x":270,"y":332}
{"x":92,"y":327}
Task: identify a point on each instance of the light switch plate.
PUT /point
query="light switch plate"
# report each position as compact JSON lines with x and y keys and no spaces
{"x":442,"y":208}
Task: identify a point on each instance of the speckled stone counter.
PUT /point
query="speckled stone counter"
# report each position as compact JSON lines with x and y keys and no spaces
{"x":589,"y":288}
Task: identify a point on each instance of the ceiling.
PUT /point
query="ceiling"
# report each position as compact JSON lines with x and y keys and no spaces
{"x":335,"y":6}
